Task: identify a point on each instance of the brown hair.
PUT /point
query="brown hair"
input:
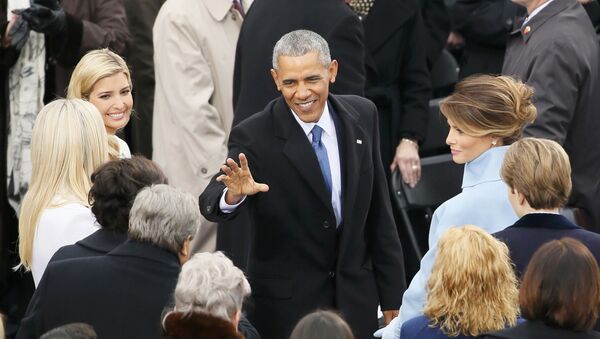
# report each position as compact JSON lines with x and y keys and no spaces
{"x":561,"y":286}
{"x":484,"y":105}
{"x":322,"y":325}
{"x":472,"y":288}
{"x":540,"y":170}
{"x":115,"y":185}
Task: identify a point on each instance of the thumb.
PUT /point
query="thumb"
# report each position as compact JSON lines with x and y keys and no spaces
{"x":262,"y":187}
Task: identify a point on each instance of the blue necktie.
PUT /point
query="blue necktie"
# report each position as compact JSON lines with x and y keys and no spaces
{"x":321,"y":152}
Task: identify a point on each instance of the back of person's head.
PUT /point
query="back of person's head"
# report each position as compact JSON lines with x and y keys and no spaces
{"x":210,"y":283}
{"x":95,"y":65}
{"x":71,"y":331}
{"x":322,"y":325}
{"x":472,"y":288}
{"x":540,"y":170}
{"x":164,"y":216}
{"x":68,"y":143}
{"x":484,"y":105}
{"x":114,"y":187}
{"x":300,"y":42}
{"x":561,"y":286}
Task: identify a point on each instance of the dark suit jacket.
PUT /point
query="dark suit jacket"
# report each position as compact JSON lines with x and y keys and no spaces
{"x":121,"y":294}
{"x":533,"y":230}
{"x":299,"y":261}
{"x":397,"y":74}
{"x":98,"y":243}
{"x":560,"y":58}
{"x":267,"y":21}
{"x":418,"y":328}
{"x":538,"y":330}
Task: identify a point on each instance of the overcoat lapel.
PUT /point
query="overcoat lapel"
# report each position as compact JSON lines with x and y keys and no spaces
{"x":351,"y":140}
{"x":299,"y":151}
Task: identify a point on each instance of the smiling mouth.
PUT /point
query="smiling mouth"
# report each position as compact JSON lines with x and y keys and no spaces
{"x":306,"y":104}
{"x":116,"y":116}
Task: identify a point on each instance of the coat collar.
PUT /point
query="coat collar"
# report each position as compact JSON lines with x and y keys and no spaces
{"x":545,"y":220}
{"x":300,"y":153}
{"x":103,"y":240}
{"x":147,"y":251}
{"x":485,"y":168}
{"x":533,"y":25}
{"x":218,"y":8}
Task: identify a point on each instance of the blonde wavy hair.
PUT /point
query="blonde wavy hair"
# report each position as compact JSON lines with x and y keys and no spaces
{"x":68,"y":143}
{"x":472,"y":288}
{"x":483,"y":105}
{"x":94,"y":66}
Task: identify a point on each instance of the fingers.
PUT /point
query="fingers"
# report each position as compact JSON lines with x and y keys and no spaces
{"x":262,"y":187}
{"x":243,"y":162}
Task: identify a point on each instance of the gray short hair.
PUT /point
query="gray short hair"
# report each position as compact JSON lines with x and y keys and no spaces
{"x":299,"y":42}
{"x":164,"y":216}
{"x":210,"y":283}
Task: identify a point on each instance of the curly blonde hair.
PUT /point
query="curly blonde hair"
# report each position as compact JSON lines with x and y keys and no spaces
{"x":472,"y":288}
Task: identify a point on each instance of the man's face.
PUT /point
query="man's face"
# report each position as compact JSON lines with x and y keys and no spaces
{"x":304,"y":83}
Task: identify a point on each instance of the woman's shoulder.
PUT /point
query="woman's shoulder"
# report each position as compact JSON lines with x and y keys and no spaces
{"x":124,"y":151}
{"x":419,"y":328}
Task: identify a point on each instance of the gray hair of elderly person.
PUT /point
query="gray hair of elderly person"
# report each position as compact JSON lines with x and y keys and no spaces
{"x":210,"y":283}
{"x":300,"y":42}
{"x":71,"y":331}
{"x":164,"y":216}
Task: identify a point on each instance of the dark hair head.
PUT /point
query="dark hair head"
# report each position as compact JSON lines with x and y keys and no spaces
{"x":115,"y":185}
{"x":71,"y":331}
{"x":561,"y":286}
{"x":322,"y":325}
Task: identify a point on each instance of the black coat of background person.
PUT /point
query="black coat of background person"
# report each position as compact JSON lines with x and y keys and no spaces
{"x":485,"y":26}
{"x":121,"y":294}
{"x":398,"y":83}
{"x":267,"y":21}
{"x":397,"y":75}
{"x":437,"y":27}
{"x":299,"y":261}
{"x":533,"y":230}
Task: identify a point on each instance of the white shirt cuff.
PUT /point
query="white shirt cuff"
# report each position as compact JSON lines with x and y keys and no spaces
{"x":225,"y":207}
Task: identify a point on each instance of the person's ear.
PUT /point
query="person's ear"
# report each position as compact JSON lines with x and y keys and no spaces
{"x":184,"y":252}
{"x":520,"y":197}
{"x":274,"y":75}
{"x":333,"y":69}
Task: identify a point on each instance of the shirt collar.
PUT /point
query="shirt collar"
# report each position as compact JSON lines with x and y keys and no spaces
{"x":536,"y":11}
{"x":325,"y":122}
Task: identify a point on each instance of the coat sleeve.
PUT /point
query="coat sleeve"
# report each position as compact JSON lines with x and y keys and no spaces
{"x":32,"y":323}
{"x":414,"y":83}
{"x":347,"y":47}
{"x":184,"y":88}
{"x":239,"y":142}
{"x":556,"y":78}
{"x":387,"y":257}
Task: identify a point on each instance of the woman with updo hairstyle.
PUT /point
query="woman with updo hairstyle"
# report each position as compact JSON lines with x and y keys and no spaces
{"x":68,"y":143}
{"x":559,"y":295}
{"x":472,"y":288}
{"x":485,"y":114}
{"x":103,"y":78}
{"x":322,"y":325}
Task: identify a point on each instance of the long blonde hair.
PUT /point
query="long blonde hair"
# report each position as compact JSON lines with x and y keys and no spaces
{"x":68,"y":143}
{"x":472,"y":288}
{"x":94,"y":66}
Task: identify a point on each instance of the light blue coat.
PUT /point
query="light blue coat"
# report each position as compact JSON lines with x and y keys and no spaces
{"x":483,"y":202}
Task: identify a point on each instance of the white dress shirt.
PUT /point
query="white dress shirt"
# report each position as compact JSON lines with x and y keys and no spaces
{"x":536,"y":11}
{"x":329,"y":140}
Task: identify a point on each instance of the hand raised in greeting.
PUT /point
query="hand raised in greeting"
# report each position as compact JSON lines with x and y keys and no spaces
{"x":239,"y":181}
